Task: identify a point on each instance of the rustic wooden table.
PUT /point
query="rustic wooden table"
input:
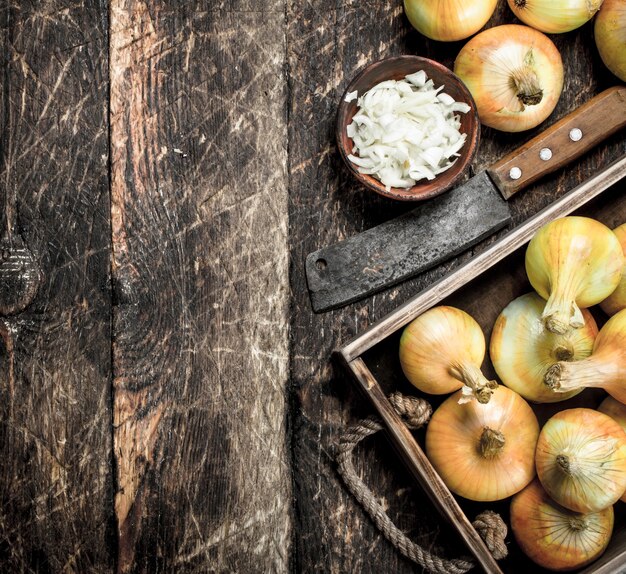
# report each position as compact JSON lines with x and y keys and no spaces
{"x":167,"y":398}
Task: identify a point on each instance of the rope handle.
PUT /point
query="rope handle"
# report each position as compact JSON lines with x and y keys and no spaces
{"x":415,"y":412}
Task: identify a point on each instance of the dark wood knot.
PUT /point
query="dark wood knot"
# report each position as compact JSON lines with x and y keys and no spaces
{"x":20,"y":275}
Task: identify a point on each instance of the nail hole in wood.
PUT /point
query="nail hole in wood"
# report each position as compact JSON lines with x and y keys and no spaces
{"x":321,"y":264}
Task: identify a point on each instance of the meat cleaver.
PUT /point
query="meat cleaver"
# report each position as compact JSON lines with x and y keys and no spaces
{"x":454,"y":221}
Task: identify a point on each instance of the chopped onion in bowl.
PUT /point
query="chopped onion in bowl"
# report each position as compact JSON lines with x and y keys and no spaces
{"x":405,"y":131}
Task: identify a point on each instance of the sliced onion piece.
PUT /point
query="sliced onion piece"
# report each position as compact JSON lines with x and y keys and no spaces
{"x":405,"y":131}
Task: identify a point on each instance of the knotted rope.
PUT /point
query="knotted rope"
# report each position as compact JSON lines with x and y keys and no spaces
{"x":415,"y":412}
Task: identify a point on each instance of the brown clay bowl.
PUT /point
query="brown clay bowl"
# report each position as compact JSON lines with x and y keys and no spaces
{"x":397,"y":68}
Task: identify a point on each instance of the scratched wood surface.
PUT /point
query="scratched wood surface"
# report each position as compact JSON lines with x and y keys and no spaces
{"x":56,"y":478}
{"x":198,"y":185}
{"x":167,"y":399}
{"x":325,"y":207}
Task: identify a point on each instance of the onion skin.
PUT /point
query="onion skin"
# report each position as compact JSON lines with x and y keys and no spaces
{"x":617,"y":411}
{"x":555,"y":16}
{"x":610,"y":36}
{"x":616,"y":301}
{"x":522,"y":350}
{"x":573,"y":262}
{"x":479,"y":469}
{"x":581,"y":460}
{"x":442,"y":350}
{"x":604,"y":369}
{"x":515,"y":75}
{"x":555,"y":537}
{"x":448,"y":20}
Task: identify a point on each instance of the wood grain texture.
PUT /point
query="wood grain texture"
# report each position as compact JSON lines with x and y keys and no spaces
{"x":328,"y":43}
{"x":165,"y":423}
{"x":596,"y":120}
{"x":484,"y":298}
{"x":199,"y":217}
{"x":423,"y":470}
{"x":509,"y":252}
{"x":56,"y":482}
{"x":612,"y":175}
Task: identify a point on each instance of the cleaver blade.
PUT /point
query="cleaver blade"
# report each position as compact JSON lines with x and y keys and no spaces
{"x":448,"y":224}
{"x":405,"y":246}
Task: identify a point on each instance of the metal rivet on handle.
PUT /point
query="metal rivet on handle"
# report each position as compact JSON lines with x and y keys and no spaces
{"x":515,"y":173}
{"x":575,"y":134}
{"x":545,"y":154}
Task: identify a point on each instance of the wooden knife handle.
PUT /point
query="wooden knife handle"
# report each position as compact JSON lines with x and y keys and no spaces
{"x":562,"y":142}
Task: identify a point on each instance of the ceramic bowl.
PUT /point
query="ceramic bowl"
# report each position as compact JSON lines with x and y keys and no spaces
{"x":396,"y":68}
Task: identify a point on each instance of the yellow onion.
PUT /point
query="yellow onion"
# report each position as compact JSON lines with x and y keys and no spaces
{"x":555,"y":16}
{"x":442,"y":350}
{"x":617,"y":411}
{"x":610,"y":36}
{"x":604,"y":369}
{"x":573,"y":262}
{"x":515,"y":75}
{"x":555,"y":537}
{"x":448,"y":20}
{"x":616,"y":301}
{"x":484,"y":451}
{"x":522,"y":349}
{"x":581,"y":460}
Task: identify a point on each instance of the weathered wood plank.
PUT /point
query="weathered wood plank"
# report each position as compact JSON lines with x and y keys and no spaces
{"x":56,"y":482}
{"x":328,"y":42}
{"x":198,"y":131}
{"x":460,"y":288}
{"x":523,"y":233}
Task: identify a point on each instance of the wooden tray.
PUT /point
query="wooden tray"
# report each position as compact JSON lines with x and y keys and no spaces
{"x":483,"y":287}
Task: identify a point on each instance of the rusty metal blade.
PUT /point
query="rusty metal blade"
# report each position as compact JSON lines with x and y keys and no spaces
{"x":406,"y":246}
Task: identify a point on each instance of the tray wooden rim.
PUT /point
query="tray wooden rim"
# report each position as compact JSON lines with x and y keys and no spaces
{"x":351,"y":354}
